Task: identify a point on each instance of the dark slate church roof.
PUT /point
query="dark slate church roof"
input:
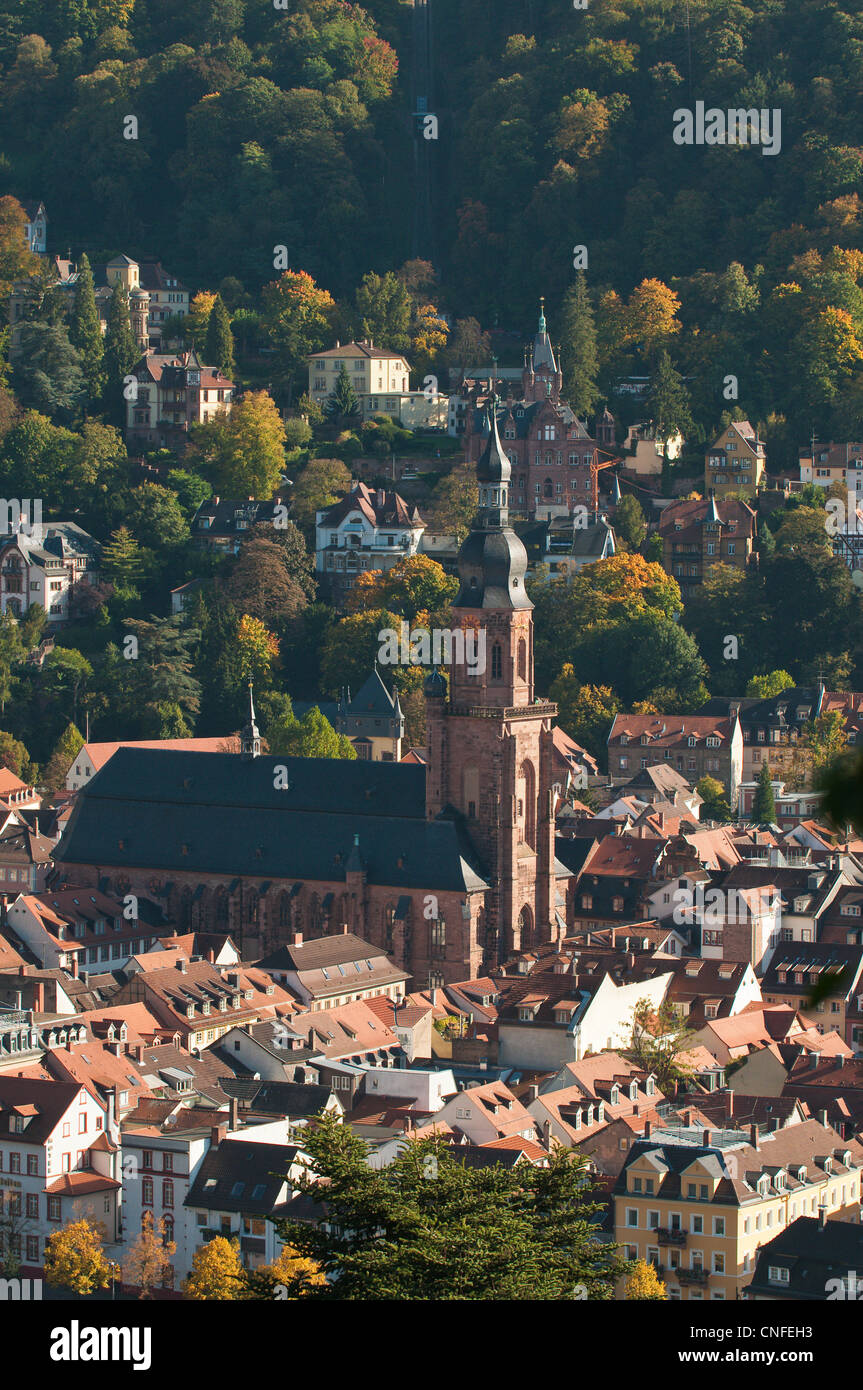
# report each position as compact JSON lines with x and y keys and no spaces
{"x":216,"y":813}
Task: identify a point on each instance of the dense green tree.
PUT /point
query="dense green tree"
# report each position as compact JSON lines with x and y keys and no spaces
{"x":121,"y":350}
{"x":383,"y":311}
{"x":764,"y":805}
{"x":48,"y":373}
{"x":68,"y":744}
{"x":319,"y":485}
{"x":312,"y":736}
{"x":629,"y":523}
{"x":342,"y":404}
{"x":714,"y":799}
{"x":433,"y":1228}
{"x":219,"y":342}
{"x":580,"y":362}
{"x":85,"y":330}
{"x":668,"y":402}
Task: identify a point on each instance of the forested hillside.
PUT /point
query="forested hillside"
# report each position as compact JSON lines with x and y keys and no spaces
{"x":260,"y":126}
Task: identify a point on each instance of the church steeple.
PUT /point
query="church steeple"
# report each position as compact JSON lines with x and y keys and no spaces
{"x":250,"y":740}
{"x":492,"y":561}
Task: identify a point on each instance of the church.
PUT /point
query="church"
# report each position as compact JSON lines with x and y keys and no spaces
{"x":554,"y":460}
{"x":449,"y":867}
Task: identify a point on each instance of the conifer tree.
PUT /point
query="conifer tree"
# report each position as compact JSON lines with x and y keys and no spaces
{"x":578,"y":340}
{"x":121,"y":350}
{"x":67,"y":746}
{"x":764,"y":806}
{"x":85,"y":331}
{"x":219,"y":345}
{"x":342,"y":403}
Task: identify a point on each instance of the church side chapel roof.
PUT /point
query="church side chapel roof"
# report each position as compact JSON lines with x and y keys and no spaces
{"x":213,"y":813}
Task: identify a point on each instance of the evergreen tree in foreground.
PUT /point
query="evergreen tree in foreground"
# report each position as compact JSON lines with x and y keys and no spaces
{"x":429,"y":1227}
{"x":578,"y":340}
{"x":764,"y":807}
{"x":219,"y":344}
{"x":121,"y":350}
{"x":342,"y":403}
{"x":85,"y":331}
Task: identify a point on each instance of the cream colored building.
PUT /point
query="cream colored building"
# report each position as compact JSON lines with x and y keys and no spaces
{"x":372,"y":371}
{"x":735,"y":462}
{"x":697,"y":1204}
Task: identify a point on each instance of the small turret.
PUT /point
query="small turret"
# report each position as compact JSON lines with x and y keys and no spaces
{"x":250,"y":741}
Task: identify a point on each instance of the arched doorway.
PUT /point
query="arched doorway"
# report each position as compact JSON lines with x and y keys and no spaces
{"x":525,"y":929}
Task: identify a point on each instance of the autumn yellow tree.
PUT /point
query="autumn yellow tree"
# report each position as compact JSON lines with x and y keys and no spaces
{"x":259,"y":647}
{"x":148,"y":1263}
{"x":198,"y":318}
{"x":243,"y":452}
{"x":75,"y":1259}
{"x":651,"y":316}
{"x":288,"y":1277}
{"x":585,"y":712}
{"x":644,"y":1284}
{"x":415,"y":584}
{"x":216,"y":1272}
{"x":298,"y":316}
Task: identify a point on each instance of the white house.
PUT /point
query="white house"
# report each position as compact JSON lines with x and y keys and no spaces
{"x":42,"y":562}
{"x":58,"y":1163}
{"x":366,"y":530}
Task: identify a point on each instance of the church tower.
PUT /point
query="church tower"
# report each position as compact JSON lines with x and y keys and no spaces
{"x":489,"y":742}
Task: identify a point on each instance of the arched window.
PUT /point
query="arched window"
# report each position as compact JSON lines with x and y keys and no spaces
{"x":389,"y":926}
{"x":496,"y":662}
{"x":526,"y":794}
{"x":222,"y":907}
{"x":285,"y":910}
{"x":522,"y":659}
{"x":525,"y":929}
{"x":252,"y":906}
{"x":547,"y":488}
{"x":315,"y":916}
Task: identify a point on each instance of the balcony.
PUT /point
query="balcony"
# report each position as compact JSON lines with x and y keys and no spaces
{"x":670,"y":1235}
{"x":693,"y":1276}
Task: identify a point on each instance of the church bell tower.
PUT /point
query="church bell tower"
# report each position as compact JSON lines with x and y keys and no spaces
{"x":489,"y":741}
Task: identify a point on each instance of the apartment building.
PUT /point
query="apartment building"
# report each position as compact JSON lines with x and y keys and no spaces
{"x":699,"y":1203}
{"x":735,"y":461}
{"x":58,"y":1164}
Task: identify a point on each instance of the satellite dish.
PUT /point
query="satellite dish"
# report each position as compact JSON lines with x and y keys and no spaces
{"x":857,"y":578}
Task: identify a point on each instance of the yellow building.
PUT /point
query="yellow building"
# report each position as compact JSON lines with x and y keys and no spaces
{"x":699,"y":1203}
{"x":735,"y":462}
{"x":372,"y":372}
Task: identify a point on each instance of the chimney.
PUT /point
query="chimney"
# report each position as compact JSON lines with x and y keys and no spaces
{"x":181,"y":966}
{"x":753,"y":1136}
{"x":138,"y":1052}
{"x":75,"y":965}
{"x":298,"y":938}
{"x":39,"y":998}
{"x":707,"y":1138}
{"x":217,"y":1133}
{"x":841,"y":1059}
{"x":822,"y":1216}
{"x":687,"y":1118}
{"x":235,"y":1113}
{"x":210,"y":955}
{"x":731,"y":1105}
{"x":647,"y":1129}
{"x":532,"y":1092}
{"x":822,"y":1117}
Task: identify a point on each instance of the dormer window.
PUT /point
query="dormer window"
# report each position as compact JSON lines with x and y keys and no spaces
{"x":615,"y":1095}
{"x":633,"y":1090}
